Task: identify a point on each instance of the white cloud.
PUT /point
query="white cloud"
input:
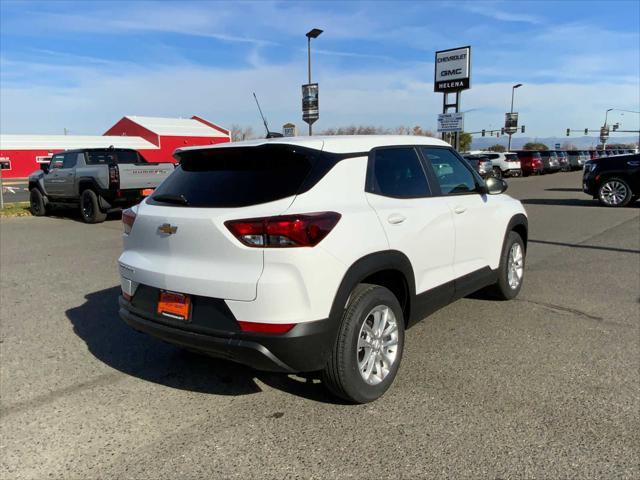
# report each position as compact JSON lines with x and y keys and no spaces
{"x":101,"y":95}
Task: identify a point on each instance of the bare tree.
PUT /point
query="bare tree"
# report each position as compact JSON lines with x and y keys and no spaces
{"x":372,"y":130}
{"x":239,"y":133}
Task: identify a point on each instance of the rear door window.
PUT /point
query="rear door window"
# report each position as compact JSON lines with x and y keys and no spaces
{"x":70,"y":159}
{"x":235,"y":177}
{"x":397,"y":173}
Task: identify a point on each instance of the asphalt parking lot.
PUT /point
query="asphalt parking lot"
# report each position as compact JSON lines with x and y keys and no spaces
{"x":546,"y":386}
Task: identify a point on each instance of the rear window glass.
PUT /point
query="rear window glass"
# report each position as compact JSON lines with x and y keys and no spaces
{"x":106,"y":157}
{"x":235,"y":177}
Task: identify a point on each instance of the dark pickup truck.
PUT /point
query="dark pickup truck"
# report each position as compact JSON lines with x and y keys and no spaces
{"x":97,"y":180}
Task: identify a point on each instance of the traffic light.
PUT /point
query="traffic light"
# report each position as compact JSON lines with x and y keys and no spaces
{"x":483,"y":132}
{"x":615,"y":126}
{"x":586,"y":131}
{"x":568,"y":131}
{"x":522,"y":128}
{"x":502,"y":131}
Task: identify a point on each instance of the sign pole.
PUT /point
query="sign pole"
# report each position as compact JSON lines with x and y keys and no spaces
{"x":457,"y":138}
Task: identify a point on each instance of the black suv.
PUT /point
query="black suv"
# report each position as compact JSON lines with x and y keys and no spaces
{"x":615,"y":181}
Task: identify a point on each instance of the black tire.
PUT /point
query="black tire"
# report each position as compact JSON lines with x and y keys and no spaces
{"x":614,"y":192}
{"x":497,"y":172}
{"x":342,"y":373}
{"x":502,"y":290}
{"x":37,"y":203}
{"x":90,"y":207}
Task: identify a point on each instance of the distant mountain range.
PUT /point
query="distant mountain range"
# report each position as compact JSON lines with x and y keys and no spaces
{"x":517,"y":142}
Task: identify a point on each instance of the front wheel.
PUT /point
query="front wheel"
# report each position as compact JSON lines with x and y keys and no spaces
{"x":90,"y":208}
{"x":366,"y":356}
{"x":614,"y":192}
{"x":511,"y":269}
{"x":36,"y":203}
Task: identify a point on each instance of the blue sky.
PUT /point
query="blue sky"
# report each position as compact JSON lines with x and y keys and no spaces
{"x":83,"y":65}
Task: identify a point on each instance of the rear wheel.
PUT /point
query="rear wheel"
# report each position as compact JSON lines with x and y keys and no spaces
{"x":497,"y":172}
{"x":90,"y":207}
{"x":614,"y":192}
{"x":36,"y":203}
{"x":367,"y":353}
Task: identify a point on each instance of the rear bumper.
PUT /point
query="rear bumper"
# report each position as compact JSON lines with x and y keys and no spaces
{"x":305,"y":348}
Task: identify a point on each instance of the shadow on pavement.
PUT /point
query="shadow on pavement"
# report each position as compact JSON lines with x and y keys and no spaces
{"x":74,"y":214}
{"x":563,"y":189}
{"x":591,"y":247}
{"x":570,"y":202}
{"x":113,"y":342}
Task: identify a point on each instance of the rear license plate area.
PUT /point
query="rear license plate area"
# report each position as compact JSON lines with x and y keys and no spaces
{"x":174,"y":305}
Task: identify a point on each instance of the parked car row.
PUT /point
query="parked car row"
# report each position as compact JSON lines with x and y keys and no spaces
{"x":535,"y":162}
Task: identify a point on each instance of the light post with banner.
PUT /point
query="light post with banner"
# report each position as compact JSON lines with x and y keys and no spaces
{"x":511,"y":118}
{"x":310,"y":104}
{"x":452,"y":75}
{"x":310,"y":110}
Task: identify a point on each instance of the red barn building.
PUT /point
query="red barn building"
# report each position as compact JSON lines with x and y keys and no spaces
{"x":154,"y":138}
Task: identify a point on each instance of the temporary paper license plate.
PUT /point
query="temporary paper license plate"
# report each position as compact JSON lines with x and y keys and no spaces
{"x":174,"y":305}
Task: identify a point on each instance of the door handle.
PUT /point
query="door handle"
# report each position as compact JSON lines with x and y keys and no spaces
{"x":396,"y":218}
{"x":459,"y":209}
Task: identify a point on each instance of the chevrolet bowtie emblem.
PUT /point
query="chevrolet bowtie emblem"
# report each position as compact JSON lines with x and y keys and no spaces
{"x":167,"y":229}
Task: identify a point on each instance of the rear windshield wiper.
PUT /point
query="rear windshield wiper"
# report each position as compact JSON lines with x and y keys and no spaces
{"x":169,"y":198}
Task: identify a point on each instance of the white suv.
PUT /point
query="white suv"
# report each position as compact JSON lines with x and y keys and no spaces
{"x":315,"y":254}
{"x":504,"y":163}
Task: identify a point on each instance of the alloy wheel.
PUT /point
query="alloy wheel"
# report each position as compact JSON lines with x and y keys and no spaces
{"x":377,"y":349}
{"x":613,"y":192}
{"x":515,"y":266}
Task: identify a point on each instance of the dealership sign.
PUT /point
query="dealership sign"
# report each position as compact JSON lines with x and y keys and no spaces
{"x":453,"y":70}
{"x":450,"y":122}
{"x":310,"y":104}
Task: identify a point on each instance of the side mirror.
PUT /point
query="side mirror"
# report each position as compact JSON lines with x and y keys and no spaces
{"x":44,"y":167}
{"x":495,"y":185}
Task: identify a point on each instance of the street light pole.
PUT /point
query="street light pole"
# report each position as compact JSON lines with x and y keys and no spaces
{"x":513,"y":91}
{"x":313,"y":33}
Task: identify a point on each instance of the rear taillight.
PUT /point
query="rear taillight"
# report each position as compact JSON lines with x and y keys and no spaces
{"x":304,"y":230}
{"x":275,"y":328}
{"x":114,"y":176}
{"x":128,"y":218}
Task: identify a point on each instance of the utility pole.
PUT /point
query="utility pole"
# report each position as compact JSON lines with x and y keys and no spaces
{"x":513,"y":90}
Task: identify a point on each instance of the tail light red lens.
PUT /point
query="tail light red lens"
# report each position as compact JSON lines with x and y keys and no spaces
{"x":114,"y":176}
{"x":128,"y":218}
{"x":275,"y":328}
{"x":285,"y":231}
